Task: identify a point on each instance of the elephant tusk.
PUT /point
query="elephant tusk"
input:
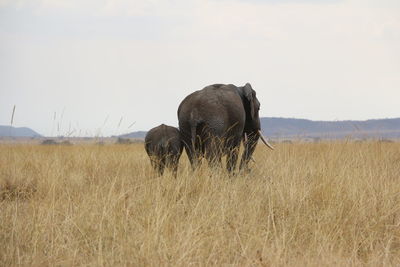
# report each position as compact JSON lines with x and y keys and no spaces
{"x":265,"y":141}
{"x":252,"y":159}
{"x":245,"y":138}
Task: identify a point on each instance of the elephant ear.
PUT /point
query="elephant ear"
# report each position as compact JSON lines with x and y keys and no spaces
{"x":248,"y":94}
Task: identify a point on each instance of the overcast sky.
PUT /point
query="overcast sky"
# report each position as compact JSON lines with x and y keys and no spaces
{"x":103,"y":67}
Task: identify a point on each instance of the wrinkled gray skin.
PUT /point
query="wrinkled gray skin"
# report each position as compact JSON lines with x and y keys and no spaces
{"x":214,"y":120}
{"x":164,"y":147}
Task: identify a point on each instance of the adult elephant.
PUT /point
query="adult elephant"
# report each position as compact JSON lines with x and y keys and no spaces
{"x":214,"y":120}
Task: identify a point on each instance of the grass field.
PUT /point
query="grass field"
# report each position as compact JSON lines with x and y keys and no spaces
{"x":302,"y":205}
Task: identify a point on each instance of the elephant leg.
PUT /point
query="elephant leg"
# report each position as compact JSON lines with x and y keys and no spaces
{"x":155,"y":163}
{"x":193,"y":158}
{"x":173,"y":162}
{"x":232,"y":146}
{"x":244,"y":162}
{"x":231,"y":160}
{"x":175,"y":167}
{"x":249,"y":148}
{"x":195,"y":153}
{"x":161,"y":166}
{"x":213,"y":152}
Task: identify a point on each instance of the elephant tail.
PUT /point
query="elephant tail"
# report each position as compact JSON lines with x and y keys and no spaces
{"x":193,"y":127}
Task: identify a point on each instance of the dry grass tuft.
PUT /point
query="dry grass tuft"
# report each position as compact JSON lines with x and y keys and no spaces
{"x":11,"y":190}
{"x":303,"y":204}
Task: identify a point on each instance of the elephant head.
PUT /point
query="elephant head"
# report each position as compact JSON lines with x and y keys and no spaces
{"x":252,"y":128}
{"x":252,"y":107}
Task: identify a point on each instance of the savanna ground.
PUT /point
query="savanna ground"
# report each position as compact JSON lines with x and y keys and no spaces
{"x":302,"y":205}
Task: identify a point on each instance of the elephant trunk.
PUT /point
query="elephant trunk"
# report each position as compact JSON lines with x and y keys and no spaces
{"x":250,"y":143}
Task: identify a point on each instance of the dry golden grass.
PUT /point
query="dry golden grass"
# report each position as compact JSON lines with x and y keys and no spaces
{"x":303,"y":204}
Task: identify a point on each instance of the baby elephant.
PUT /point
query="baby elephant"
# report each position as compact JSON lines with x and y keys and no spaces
{"x":164,"y":147}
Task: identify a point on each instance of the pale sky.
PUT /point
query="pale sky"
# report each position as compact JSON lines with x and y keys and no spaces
{"x":76,"y":67}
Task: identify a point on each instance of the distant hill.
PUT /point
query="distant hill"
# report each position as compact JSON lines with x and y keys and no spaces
{"x":138,"y":135}
{"x":301,"y":128}
{"x":9,"y":131}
